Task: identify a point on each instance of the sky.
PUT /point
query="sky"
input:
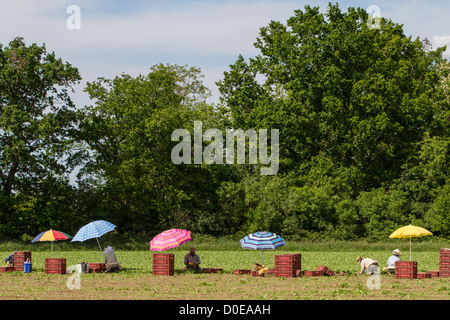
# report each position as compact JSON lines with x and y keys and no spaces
{"x":112,"y":37}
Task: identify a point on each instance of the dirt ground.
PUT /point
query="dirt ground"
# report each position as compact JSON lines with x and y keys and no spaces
{"x":221,"y":286}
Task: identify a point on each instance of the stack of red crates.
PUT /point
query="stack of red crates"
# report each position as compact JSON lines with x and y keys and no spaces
{"x":444,"y":263}
{"x":19,"y":258}
{"x":163,"y":264}
{"x":55,"y":265}
{"x":286,"y":265}
{"x":97,"y":267}
{"x":405,"y":269}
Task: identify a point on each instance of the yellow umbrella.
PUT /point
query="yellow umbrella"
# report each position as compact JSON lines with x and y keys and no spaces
{"x":410,"y":231}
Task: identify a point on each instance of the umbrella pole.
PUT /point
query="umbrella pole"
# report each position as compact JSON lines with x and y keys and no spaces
{"x":51,"y":244}
{"x":100,"y":248}
{"x":410,"y":259}
{"x":262,"y":257}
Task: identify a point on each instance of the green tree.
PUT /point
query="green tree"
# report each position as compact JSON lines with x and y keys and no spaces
{"x":37,"y":121}
{"x":335,"y":87}
{"x":128,"y":136}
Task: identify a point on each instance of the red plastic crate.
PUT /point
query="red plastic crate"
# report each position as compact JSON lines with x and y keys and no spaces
{"x":288,"y":256}
{"x":309,"y":273}
{"x":163,"y":256}
{"x":444,"y":274}
{"x":444,"y":263}
{"x":434,"y":273}
{"x":285,"y":274}
{"x":55,"y":265}
{"x":444,"y":252}
{"x":423,"y":275}
{"x":22,"y":255}
{"x":162,"y":268}
{"x":329,"y":273}
{"x":212,"y":270}
{"x":55,"y":260}
{"x":93,"y":266}
{"x":242,"y":271}
{"x":405,"y":271}
{"x":6,"y":269}
{"x":163,"y":262}
{"x":444,"y":269}
{"x":405,"y":275}
{"x":405,"y":264}
{"x":163,"y":273}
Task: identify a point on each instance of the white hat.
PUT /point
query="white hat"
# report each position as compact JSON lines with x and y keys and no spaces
{"x":396,"y":252}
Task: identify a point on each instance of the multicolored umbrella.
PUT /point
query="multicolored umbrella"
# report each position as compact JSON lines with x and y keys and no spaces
{"x":262,"y":240}
{"x":51,"y":235}
{"x":169,"y":239}
{"x":94,"y":229}
{"x":410,"y":231}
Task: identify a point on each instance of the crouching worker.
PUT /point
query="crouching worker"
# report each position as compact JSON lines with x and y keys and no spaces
{"x":111,"y":260}
{"x":192,"y":261}
{"x":368,"y":265}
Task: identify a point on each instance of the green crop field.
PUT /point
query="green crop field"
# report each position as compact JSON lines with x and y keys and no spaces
{"x":136,"y":280}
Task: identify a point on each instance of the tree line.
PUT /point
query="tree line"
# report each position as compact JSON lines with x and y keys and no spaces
{"x":364,"y":146}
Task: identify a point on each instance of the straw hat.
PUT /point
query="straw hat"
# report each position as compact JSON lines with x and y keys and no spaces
{"x":359,"y":259}
{"x":396,"y":252}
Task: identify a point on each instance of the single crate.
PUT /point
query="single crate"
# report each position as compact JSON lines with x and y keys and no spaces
{"x":308,"y":273}
{"x":423,"y":275}
{"x":284,"y":274}
{"x":163,"y":256}
{"x":405,"y":275}
{"x":242,"y":271}
{"x":405,"y":271}
{"x":444,"y":274}
{"x":434,"y":273}
{"x":444,"y":269}
{"x":163,"y":273}
{"x":405,"y":264}
{"x":212,"y":270}
{"x":162,"y":268}
{"x":329,"y":273}
{"x":6,"y":269}
{"x":97,"y":267}
{"x":445,"y":264}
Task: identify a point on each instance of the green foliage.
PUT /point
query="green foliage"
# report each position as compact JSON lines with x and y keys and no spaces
{"x":37,"y":130}
{"x":363,"y":116}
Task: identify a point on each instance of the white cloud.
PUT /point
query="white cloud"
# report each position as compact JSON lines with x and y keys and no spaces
{"x":440,"y":41}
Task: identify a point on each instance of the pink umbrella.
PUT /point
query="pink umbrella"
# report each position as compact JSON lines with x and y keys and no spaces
{"x":169,"y":239}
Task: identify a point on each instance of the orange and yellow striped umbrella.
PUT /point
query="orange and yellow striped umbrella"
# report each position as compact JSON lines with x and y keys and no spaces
{"x":169,"y":239}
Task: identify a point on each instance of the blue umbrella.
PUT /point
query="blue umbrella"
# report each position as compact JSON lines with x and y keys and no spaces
{"x":94,"y":229}
{"x":262,"y":240}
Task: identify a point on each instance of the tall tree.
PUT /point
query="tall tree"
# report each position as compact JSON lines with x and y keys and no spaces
{"x":336,"y":87}
{"x":37,"y":117}
{"x":128,"y":132}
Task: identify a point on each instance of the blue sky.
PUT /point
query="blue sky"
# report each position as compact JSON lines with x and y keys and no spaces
{"x":130,"y":36}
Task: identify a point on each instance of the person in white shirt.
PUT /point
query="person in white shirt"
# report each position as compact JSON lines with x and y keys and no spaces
{"x":392,"y":259}
{"x":368,"y":265}
{"x":112,"y":265}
